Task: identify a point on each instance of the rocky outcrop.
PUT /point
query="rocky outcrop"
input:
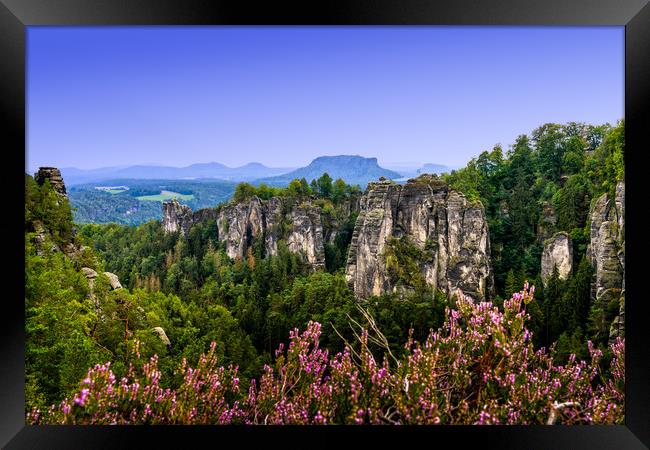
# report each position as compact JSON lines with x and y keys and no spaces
{"x":450,"y":232}
{"x":306,"y":234}
{"x":239,"y":224}
{"x":606,"y":252}
{"x":91,"y":275}
{"x":113,"y":280}
{"x":558,"y":252}
{"x":54,"y":175}
{"x":163,"y":337}
{"x":606,"y":247}
{"x":177,"y":217}
{"x":270,"y":220}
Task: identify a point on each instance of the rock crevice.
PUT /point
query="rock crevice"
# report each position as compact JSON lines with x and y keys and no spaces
{"x":450,"y":233}
{"x":606,"y":251}
{"x":240,"y":224}
{"x":269,"y":221}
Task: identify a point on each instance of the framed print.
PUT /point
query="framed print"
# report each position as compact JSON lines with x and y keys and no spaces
{"x":406,"y":222}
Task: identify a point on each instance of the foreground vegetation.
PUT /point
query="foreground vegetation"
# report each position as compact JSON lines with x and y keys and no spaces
{"x":479,"y":368}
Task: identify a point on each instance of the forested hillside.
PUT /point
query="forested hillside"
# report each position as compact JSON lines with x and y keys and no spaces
{"x":137,"y":201}
{"x":546,"y":183}
{"x":268,"y":337}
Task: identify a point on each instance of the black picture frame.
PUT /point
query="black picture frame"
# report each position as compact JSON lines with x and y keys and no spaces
{"x":16,"y":15}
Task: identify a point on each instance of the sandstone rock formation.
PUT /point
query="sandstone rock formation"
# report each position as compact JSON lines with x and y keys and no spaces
{"x":113,"y":280}
{"x":163,"y":336}
{"x":558,"y":252}
{"x":306,"y":234}
{"x":44,"y":239}
{"x":606,"y":252}
{"x":91,"y":275}
{"x":271,"y":220}
{"x":54,"y":175}
{"x":176,"y":217}
{"x":238,"y":224}
{"x":450,"y":232}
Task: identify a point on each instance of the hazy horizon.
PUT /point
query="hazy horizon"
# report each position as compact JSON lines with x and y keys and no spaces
{"x":282,"y":96}
{"x":399,"y":164}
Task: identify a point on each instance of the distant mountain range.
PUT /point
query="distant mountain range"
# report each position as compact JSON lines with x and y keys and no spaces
{"x":248,"y":172}
{"x":353,"y":169}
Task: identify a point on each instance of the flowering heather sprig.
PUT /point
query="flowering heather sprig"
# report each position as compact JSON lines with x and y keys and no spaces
{"x":203,"y":398}
{"x":479,"y":368}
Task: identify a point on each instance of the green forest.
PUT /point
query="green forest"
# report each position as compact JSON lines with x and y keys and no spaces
{"x":127,"y":206}
{"x":241,"y":311}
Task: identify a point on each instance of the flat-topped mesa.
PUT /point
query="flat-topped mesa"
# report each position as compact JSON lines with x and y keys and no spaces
{"x":239,"y":224}
{"x":449,"y":232}
{"x":54,"y":175}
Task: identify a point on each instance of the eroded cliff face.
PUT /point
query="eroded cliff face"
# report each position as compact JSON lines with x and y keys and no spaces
{"x":239,"y":224}
{"x":180,"y":218}
{"x":450,"y":233}
{"x":558,"y":252}
{"x":54,"y":175}
{"x":606,"y":252}
{"x":176,"y":217}
{"x":271,"y":220}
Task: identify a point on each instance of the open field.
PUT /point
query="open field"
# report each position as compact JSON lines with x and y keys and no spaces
{"x":165,"y":195}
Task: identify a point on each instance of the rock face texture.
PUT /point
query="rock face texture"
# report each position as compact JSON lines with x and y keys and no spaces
{"x":177,"y":217}
{"x":113,"y":280}
{"x":90,"y":275}
{"x":271,"y":220}
{"x":163,"y":336}
{"x":306,"y":234}
{"x":43,"y":236}
{"x":606,"y":248}
{"x":558,"y":252}
{"x":606,"y":252}
{"x":240,"y":224}
{"x":54,"y":175}
{"x":451,"y":233}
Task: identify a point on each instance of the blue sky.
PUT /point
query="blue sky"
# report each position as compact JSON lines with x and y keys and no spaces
{"x":109,"y":96}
